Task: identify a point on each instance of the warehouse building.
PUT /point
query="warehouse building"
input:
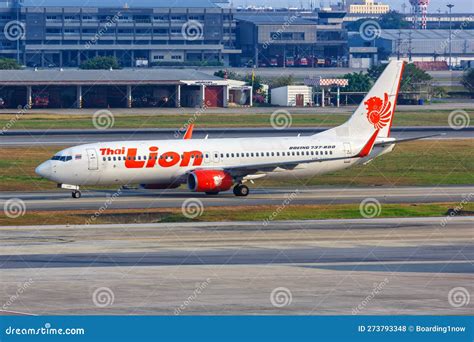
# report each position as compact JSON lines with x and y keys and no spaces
{"x":415,"y":46}
{"x":138,"y":33}
{"x":72,"y":88}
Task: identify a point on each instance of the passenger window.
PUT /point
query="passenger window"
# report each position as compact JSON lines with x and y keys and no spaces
{"x":232,"y":155}
{"x":251,"y":154}
{"x":278,"y":154}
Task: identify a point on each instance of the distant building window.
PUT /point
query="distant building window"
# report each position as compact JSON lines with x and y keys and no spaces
{"x":287,"y":35}
{"x":175,"y":57}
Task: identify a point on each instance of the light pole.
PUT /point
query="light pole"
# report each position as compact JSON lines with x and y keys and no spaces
{"x":450,"y":6}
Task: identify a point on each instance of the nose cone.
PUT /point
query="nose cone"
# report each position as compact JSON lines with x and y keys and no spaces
{"x":44,"y":170}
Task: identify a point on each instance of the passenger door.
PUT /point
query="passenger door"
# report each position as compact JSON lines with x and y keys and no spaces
{"x":93,"y":160}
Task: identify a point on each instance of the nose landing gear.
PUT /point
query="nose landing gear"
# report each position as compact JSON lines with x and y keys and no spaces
{"x":241,"y":190}
{"x":76,"y":194}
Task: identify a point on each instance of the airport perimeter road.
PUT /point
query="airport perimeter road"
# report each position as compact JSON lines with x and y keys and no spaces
{"x":370,"y":267}
{"x":138,"y":199}
{"x":445,"y":106}
{"x":75,"y":137}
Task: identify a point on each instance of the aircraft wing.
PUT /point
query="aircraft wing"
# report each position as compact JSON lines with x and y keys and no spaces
{"x":398,"y":141}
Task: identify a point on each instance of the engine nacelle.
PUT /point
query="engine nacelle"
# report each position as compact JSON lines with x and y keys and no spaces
{"x":209,"y":181}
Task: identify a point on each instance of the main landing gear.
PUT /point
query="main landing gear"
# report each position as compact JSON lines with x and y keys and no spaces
{"x":241,"y":190}
{"x":76,"y":194}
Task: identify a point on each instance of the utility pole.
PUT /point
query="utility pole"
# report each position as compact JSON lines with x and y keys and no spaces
{"x":399,"y":43}
{"x":450,"y":6}
{"x":409,"y":46}
{"x":17,"y":5}
{"x":439,"y":18}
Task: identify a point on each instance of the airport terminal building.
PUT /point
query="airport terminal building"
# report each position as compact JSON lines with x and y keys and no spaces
{"x":58,"y":33}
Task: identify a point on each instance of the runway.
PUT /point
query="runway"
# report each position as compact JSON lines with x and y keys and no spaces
{"x":322,"y":267}
{"x":137,"y":199}
{"x":76,"y":137}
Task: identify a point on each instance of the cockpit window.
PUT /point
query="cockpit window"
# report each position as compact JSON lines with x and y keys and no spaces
{"x":62,"y":158}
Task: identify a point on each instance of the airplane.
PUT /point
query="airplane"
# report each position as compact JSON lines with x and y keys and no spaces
{"x":212,"y":166}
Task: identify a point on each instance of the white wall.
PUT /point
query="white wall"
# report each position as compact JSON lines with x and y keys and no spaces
{"x":286,"y":96}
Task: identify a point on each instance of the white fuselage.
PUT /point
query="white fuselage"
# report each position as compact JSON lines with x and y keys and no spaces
{"x":169,"y":161}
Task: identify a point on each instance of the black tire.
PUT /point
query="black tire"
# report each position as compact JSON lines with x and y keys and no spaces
{"x":76,"y":194}
{"x":212,"y":193}
{"x":241,"y":190}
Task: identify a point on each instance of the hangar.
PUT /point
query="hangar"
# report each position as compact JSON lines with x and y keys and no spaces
{"x":74,"y":88}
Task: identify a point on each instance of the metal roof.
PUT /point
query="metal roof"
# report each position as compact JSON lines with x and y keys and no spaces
{"x":274,"y":19}
{"x":122,"y":3}
{"x":426,"y":34}
{"x":430,"y":41}
{"x":124,"y":76}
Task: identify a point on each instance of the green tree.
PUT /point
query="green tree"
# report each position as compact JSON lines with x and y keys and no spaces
{"x":389,"y":20}
{"x":413,"y":77}
{"x":393,"y":20}
{"x":283,"y":81}
{"x":101,"y":62}
{"x":358,"y":82}
{"x":9,"y":64}
{"x":257,"y":82}
{"x":468,"y":80}
{"x":230,"y":74}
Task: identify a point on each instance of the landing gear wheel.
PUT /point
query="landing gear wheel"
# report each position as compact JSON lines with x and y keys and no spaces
{"x":241,"y":190}
{"x":76,"y":194}
{"x":212,"y":193}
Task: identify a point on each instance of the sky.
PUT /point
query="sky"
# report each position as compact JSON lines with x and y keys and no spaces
{"x":460,"y":5}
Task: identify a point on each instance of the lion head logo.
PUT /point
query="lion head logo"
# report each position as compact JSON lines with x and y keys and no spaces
{"x":218,"y":180}
{"x":378,"y":111}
